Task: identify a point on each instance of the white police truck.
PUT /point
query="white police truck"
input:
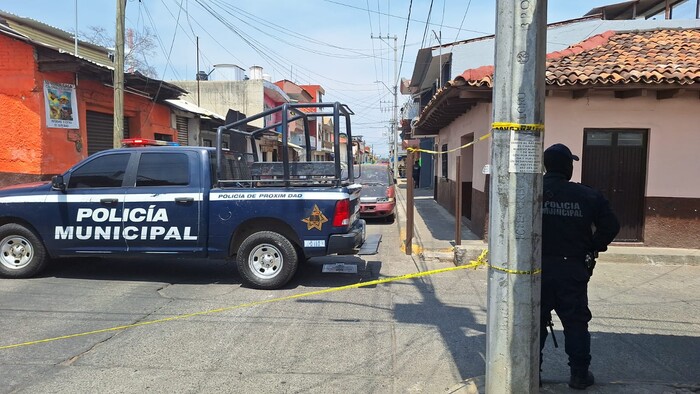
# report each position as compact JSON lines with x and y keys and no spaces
{"x":178,"y":201}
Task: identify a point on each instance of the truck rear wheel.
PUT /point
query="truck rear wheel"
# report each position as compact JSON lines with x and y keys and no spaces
{"x":267,"y":260}
{"x":22,"y":254}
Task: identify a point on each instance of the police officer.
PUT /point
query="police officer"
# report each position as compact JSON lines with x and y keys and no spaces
{"x":576,"y":221}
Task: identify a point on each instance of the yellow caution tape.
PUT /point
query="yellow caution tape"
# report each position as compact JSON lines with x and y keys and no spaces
{"x":494,"y":126}
{"x":481,"y":260}
{"x":433,"y":152}
{"x":239,"y":306}
{"x":516,"y":126}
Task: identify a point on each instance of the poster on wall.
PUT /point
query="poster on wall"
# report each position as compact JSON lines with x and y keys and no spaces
{"x":61,"y":105}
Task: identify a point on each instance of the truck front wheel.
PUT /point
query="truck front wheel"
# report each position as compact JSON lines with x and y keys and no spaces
{"x":22,"y":254}
{"x":267,"y":260}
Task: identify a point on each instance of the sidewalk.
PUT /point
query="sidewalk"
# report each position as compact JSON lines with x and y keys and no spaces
{"x":434,"y":231}
{"x":645,"y":339}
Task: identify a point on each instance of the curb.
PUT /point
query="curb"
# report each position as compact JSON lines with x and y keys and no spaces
{"x":463,"y":254}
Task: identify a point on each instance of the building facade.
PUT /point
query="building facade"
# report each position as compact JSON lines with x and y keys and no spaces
{"x":625,"y":100}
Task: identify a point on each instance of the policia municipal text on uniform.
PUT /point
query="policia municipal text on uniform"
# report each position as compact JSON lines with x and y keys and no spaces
{"x":577,"y":223}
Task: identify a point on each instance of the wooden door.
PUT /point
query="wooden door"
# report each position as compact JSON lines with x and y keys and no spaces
{"x":615,"y":162}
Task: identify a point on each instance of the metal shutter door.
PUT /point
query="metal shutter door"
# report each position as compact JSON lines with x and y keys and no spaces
{"x":182,"y":130}
{"x":100,"y":131}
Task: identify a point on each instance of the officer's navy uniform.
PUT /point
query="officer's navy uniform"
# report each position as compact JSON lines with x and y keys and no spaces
{"x":576,"y":220}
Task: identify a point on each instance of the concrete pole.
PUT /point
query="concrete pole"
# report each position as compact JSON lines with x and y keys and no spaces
{"x":119,"y":76}
{"x":515,"y":224}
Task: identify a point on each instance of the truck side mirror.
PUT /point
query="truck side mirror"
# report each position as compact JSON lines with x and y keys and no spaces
{"x":57,"y":183}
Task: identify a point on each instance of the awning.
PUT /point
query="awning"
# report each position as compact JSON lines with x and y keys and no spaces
{"x":189,"y":107}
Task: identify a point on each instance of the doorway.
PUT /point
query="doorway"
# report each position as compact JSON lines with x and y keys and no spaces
{"x":615,"y":162}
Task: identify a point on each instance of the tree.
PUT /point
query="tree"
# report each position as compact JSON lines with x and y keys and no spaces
{"x":138,"y":47}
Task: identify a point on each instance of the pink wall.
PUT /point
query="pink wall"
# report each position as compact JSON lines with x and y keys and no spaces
{"x":674,"y":134}
{"x":477,"y":121}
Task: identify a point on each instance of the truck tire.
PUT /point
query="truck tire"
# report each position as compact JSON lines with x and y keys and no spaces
{"x":22,"y":254}
{"x":267,"y":260}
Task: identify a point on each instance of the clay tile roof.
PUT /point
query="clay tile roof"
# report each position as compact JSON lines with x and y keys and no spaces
{"x":662,"y":56}
{"x":482,"y":76}
{"x":654,"y":57}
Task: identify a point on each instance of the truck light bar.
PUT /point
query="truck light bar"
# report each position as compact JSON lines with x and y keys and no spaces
{"x":139,"y":142}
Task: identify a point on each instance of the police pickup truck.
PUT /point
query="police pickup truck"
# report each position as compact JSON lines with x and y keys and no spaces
{"x":179,"y":201}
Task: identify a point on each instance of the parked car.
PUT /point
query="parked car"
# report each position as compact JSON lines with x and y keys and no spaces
{"x":378,"y":195}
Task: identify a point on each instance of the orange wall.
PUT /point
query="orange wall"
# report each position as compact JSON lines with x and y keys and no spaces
{"x":20,"y":102}
{"x":36,"y":149}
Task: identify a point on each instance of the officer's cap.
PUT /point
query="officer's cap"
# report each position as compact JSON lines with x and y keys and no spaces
{"x":560,"y":149}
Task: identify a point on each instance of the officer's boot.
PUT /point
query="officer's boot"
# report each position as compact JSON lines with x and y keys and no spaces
{"x":581,"y":378}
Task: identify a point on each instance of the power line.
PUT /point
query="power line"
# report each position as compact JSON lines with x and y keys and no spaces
{"x":405,"y":36}
{"x":427,"y":23}
{"x":400,"y":17}
{"x":167,"y":59}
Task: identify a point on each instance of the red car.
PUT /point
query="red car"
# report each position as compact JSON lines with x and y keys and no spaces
{"x":378,"y":196}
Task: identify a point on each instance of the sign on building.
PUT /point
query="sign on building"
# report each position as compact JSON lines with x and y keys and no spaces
{"x":61,"y":105}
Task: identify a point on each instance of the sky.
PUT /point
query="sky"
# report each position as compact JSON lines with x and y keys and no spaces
{"x":346,"y":46}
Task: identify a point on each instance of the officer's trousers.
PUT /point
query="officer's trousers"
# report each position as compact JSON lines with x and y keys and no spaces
{"x":565,"y":290}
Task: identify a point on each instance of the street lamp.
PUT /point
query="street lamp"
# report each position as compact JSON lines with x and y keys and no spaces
{"x":394,"y":128}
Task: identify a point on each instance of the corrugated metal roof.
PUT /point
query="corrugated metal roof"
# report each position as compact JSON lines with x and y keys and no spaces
{"x":53,"y":37}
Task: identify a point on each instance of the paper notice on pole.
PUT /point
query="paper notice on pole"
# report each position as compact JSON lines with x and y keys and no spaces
{"x":525,"y":154}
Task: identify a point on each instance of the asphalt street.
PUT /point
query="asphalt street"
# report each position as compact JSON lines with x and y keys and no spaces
{"x":408,"y":336}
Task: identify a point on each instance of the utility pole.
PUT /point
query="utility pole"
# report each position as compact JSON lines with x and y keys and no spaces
{"x":119,"y":76}
{"x":439,"y":38}
{"x":75,"y":52}
{"x":197,"y":77}
{"x":394,"y":120}
{"x":515,"y":224}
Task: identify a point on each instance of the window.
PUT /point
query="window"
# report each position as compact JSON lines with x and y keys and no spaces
{"x":206,"y":142}
{"x":163,"y":137}
{"x":163,"y":169}
{"x":599,"y":138}
{"x":444,"y":161}
{"x":105,"y":171}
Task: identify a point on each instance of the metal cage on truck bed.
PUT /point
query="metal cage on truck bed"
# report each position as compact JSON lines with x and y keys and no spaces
{"x":247,"y":169}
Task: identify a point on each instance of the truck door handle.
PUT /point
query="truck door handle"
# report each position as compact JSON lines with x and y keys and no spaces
{"x":184,"y":200}
{"x":108,"y":201}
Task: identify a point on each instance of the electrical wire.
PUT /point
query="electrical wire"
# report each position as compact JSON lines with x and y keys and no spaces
{"x":167,"y":60}
{"x":405,"y":37}
{"x":399,"y":17}
{"x":427,"y":24}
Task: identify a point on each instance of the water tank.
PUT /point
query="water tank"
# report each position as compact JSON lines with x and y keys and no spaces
{"x":227,"y":72}
{"x":256,"y":72}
